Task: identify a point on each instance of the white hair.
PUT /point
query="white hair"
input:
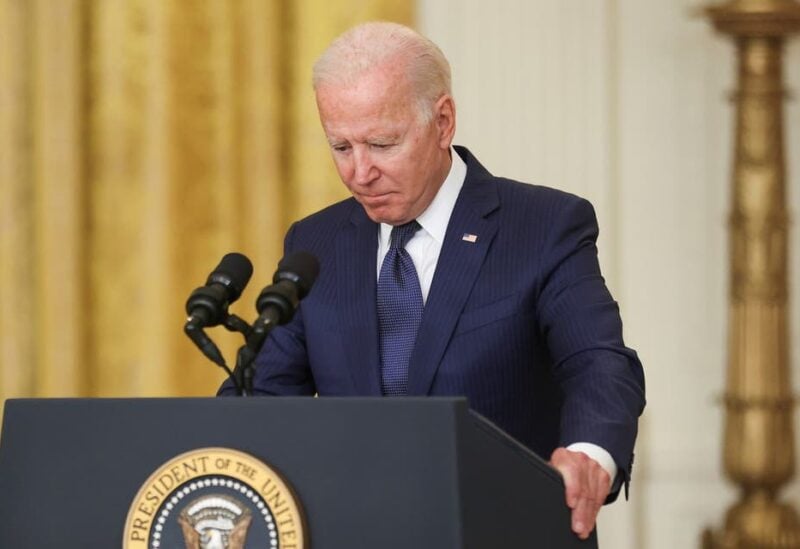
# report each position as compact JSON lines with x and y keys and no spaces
{"x":378,"y":43}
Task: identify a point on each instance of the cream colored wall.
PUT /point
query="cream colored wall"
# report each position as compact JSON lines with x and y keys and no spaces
{"x":624,"y":102}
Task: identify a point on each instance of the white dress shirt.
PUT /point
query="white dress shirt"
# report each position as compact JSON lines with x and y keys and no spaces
{"x":424,"y":248}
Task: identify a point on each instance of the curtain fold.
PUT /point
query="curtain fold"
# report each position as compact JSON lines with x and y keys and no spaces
{"x":140,"y":141}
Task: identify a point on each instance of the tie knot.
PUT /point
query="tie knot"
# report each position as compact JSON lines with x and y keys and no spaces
{"x":401,"y":234}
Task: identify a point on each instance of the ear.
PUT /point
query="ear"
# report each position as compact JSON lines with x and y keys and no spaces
{"x":445,"y":118}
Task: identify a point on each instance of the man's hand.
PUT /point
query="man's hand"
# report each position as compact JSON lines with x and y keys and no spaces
{"x":587,"y":486}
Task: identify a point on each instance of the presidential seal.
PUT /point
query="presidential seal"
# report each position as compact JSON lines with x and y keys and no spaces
{"x":215,"y":498}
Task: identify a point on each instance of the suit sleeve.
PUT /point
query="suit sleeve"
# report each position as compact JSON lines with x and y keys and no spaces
{"x":282,"y":366}
{"x":601,"y":380}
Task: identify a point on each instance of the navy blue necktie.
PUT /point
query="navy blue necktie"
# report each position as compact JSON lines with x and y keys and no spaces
{"x":399,"y":311}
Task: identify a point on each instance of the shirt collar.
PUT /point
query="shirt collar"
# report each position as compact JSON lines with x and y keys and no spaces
{"x":436,"y":216}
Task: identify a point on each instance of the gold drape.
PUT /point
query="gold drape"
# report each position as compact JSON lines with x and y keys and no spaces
{"x":140,"y":140}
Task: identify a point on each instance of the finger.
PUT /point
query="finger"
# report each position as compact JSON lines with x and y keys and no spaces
{"x":572,"y":487}
{"x":584,"y":516}
{"x":597,"y":492}
{"x":565,"y":463}
{"x":586,"y":485}
{"x":594,"y":488}
{"x":603,"y":487}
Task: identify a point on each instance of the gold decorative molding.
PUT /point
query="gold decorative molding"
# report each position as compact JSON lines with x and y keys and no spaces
{"x":759,"y":452}
{"x":747,"y":18}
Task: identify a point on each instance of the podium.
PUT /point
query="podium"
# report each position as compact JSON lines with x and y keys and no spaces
{"x":376,"y":473}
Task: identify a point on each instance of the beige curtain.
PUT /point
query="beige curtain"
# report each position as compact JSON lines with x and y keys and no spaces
{"x":140,"y":140}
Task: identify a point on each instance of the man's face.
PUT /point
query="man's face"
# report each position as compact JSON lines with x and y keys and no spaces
{"x":391,"y":162}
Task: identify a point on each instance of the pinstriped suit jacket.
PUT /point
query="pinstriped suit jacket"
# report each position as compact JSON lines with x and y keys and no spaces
{"x":520,"y":321}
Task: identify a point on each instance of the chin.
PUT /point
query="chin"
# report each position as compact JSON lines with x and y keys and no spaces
{"x":381,"y":219}
{"x":382,"y":216}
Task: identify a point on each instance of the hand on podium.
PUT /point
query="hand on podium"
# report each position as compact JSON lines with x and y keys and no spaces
{"x":587,"y":486}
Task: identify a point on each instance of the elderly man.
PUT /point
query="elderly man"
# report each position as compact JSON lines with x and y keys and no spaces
{"x":438,"y":278}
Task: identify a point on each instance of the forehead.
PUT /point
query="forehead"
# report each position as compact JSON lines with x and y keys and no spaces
{"x":380,"y":100}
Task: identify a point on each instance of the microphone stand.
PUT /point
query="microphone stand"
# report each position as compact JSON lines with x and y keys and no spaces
{"x":246,"y":355}
{"x":244,"y":373}
{"x":276,"y":305}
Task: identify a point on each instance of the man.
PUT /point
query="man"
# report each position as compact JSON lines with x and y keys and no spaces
{"x":439,"y":279}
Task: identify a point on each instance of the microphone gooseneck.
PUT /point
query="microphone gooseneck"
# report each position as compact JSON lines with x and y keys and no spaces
{"x":276,"y":305}
{"x":207,"y":306}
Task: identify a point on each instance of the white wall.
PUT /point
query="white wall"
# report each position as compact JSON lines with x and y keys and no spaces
{"x":625,"y":102}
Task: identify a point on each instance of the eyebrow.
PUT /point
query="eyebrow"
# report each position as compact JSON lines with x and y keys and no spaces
{"x":383,"y":139}
{"x":386,"y":139}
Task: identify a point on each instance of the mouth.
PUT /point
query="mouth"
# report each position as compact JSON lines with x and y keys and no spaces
{"x":374,"y":199}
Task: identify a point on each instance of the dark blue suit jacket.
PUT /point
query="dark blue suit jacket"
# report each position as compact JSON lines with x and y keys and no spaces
{"x":520,"y":321}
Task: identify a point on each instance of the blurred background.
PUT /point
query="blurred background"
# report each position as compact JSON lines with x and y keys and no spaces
{"x":140,"y":140}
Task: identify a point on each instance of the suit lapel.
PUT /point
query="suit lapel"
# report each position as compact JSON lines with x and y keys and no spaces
{"x":356,"y":252}
{"x":456,"y":271}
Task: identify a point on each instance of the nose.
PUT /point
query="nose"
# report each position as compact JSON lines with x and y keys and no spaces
{"x":364,"y":169}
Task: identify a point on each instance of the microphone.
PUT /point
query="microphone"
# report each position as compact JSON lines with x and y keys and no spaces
{"x":277,"y":303}
{"x":208,"y":305}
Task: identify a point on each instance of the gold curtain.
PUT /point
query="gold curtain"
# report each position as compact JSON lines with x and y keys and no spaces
{"x":140,"y":140}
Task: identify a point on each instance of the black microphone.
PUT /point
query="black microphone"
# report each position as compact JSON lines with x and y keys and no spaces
{"x":292,"y":281}
{"x":208,"y":305}
{"x":275,"y":305}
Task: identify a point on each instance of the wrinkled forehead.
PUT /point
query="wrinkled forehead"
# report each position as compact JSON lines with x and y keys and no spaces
{"x":357,"y":65}
{"x":390,"y":76}
{"x":382,"y":95}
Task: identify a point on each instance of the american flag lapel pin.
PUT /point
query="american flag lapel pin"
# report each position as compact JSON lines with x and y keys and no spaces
{"x":471,"y":238}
